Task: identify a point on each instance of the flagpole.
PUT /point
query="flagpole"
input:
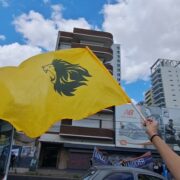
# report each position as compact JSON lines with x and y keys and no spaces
{"x":9,"y":157}
{"x":143,"y":119}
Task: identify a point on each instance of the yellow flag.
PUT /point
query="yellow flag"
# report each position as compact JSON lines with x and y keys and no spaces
{"x":46,"y":88}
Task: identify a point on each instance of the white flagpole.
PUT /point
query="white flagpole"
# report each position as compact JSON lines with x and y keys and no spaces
{"x":9,"y":157}
{"x":139,"y":112}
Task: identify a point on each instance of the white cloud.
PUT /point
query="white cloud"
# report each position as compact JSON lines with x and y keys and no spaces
{"x":146,"y":30}
{"x":2,"y":37}
{"x":4,"y":3}
{"x":42,"y":32}
{"x":14,"y":54}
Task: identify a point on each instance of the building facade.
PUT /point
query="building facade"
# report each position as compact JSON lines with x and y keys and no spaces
{"x":117,"y":131}
{"x":165,"y":79}
{"x":71,"y":142}
{"x":148,"y":97}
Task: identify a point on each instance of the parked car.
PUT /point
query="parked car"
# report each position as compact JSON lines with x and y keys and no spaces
{"x":120,"y":173}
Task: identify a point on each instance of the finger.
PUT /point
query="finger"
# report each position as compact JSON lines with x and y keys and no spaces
{"x":149,"y":120}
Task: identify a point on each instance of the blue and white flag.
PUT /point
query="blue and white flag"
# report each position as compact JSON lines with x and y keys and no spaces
{"x":139,"y":161}
{"x":98,"y":158}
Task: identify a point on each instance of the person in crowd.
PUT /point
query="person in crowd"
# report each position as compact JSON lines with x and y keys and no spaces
{"x":160,"y":167}
{"x":170,"y":132}
{"x":156,"y":167}
{"x":13,"y":160}
{"x":171,"y":159}
{"x":122,"y":163}
{"x":91,"y":162}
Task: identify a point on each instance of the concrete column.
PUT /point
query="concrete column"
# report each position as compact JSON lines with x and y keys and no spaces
{"x":62,"y":158}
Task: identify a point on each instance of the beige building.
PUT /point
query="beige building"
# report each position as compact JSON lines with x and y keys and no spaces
{"x":149,"y":97}
{"x":69,"y":144}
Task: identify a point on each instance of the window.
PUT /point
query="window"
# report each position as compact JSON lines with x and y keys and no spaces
{"x":119,"y":175}
{"x":148,"y":177}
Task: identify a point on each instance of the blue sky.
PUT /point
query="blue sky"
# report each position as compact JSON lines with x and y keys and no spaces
{"x":144,"y":31}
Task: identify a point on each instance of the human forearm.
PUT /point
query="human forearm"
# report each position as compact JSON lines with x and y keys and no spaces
{"x":171,"y":159}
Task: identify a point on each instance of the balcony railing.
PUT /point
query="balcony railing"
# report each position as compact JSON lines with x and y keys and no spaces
{"x":101,"y":52}
{"x":86,"y":132}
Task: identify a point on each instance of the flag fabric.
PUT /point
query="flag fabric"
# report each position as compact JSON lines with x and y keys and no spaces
{"x":64,"y":84}
{"x":140,"y":161}
{"x":98,"y":158}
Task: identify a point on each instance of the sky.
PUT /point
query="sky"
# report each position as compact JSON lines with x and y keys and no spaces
{"x":146,"y":30}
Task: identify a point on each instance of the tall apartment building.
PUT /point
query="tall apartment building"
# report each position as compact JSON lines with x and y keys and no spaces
{"x":72,"y":142}
{"x":116,"y":62}
{"x":165,"y":79}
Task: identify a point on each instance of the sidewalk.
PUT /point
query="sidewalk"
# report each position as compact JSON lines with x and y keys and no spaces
{"x":69,"y":174}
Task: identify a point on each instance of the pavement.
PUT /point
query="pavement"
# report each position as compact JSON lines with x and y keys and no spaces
{"x":53,"y":173}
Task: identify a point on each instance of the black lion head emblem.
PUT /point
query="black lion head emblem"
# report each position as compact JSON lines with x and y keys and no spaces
{"x":66,"y":77}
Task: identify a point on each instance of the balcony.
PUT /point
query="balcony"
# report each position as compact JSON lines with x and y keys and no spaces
{"x":101,"y":52}
{"x":157,"y":88}
{"x":109,"y":67}
{"x":156,"y":78}
{"x":63,"y":34}
{"x":157,"y":81}
{"x":109,"y":110}
{"x":86,"y":132}
{"x":98,"y":36}
{"x":64,"y":37}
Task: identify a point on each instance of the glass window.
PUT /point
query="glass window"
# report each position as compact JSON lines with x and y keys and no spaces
{"x":119,"y":175}
{"x":148,"y":177}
